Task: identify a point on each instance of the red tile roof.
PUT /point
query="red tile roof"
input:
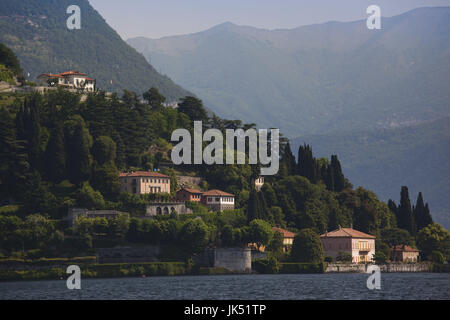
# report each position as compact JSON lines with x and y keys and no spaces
{"x":347,"y":233}
{"x":191,"y":190}
{"x":143,"y":174}
{"x":285,"y":233}
{"x":51,"y":75}
{"x":69,"y":73}
{"x":66,"y":73}
{"x":405,"y":248}
{"x":216,"y":192}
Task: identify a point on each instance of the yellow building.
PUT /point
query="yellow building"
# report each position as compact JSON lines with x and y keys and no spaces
{"x":143,"y":182}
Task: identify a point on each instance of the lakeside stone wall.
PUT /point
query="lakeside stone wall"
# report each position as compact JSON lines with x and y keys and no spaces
{"x":389,"y":267}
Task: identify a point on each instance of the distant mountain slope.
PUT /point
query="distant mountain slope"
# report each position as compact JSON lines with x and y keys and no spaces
{"x":319,"y":78}
{"x":385,"y":160}
{"x":36,"y":31}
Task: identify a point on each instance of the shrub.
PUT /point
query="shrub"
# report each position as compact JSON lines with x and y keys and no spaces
{"x":437,"y":257}
{"x":328,"y":259}
{"x":289,"y":268}
{"x":268,"y":266}
{"x":344,"y":257}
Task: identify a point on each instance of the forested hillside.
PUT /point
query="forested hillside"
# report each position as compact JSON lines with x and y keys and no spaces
{"x":37,"y":33}
{"x":59,"y":152}
{"x":381,"y":160}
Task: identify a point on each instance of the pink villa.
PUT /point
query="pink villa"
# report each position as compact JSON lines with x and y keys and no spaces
{"x":360,"y":245}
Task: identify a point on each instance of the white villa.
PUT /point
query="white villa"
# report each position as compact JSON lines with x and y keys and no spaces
{"x":68,"y":79}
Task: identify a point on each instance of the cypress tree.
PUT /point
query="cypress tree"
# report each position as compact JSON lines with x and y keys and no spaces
{"x":33,"y":130}
{"x":336,"y":171}
{"x":405,"y":217}
{"x":289,"y":160}
{"x":253,"y":210}
{"x":79,"y":156}
{"x":421,"y":213}
{"x":55,"y":155}
{"x":307,"y":166}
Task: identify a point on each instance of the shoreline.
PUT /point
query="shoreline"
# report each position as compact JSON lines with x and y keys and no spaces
{"x":157,"y":269}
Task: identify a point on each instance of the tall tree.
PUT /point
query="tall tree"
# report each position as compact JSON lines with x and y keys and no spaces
{"x":193,"y":108}
{"x":288,"y":161}
{"x":405,"y":217}
{"x":79,"y":157}
{"x":422,"y":214}
{"x":55,"y":155}
{"x":338,"y":176}
{"x":307,"y":166}
{"x":154,"y":98}
{"x":14,"y":165}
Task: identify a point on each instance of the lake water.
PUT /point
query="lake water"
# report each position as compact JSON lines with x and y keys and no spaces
{"x":255,"y":287}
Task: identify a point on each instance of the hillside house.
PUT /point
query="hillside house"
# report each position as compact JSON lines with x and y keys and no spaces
{"x":188,"y":194}
{"x":68,"y":79}
{"x":218,"y":200}
{"x":144,"y":182}
{"x":288,"y":237}
{"x":360,"y":245}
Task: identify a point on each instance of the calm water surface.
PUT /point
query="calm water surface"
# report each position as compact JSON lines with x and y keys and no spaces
{"x":284,"y":287}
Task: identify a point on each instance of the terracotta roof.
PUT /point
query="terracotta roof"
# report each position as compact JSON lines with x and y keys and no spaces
{"x":347,"y":233}
{"x":191,"y":190}
{"x":285,"y":233}
{"x":69,"y":73}
{"x":216,"y":192}
{"x":143,"y":174}
{"x":90,"y":79}
{"x":405,"y":248}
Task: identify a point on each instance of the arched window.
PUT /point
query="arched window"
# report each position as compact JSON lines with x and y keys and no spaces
{"x":158,"y":210}
{"x":166,"y":210}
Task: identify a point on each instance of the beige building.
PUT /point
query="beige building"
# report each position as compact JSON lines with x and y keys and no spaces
{"x":143,"y":182}
{"x":360,"y":245}
{"x":288,"y":237}
{"x":404,"y":253}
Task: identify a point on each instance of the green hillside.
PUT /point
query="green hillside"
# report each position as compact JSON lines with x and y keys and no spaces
{"x":37,"y":33}
{"x":10,"y":70}
{"x":384,"y":160}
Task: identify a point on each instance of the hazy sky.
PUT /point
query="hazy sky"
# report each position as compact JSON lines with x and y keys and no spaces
{"x":158,"y":18}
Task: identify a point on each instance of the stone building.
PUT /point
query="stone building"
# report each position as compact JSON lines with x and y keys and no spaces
{"x":166,"y":208}
{"x":404,"y":253}
{"x":144,"y":182}
{"x":360,"y":245}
